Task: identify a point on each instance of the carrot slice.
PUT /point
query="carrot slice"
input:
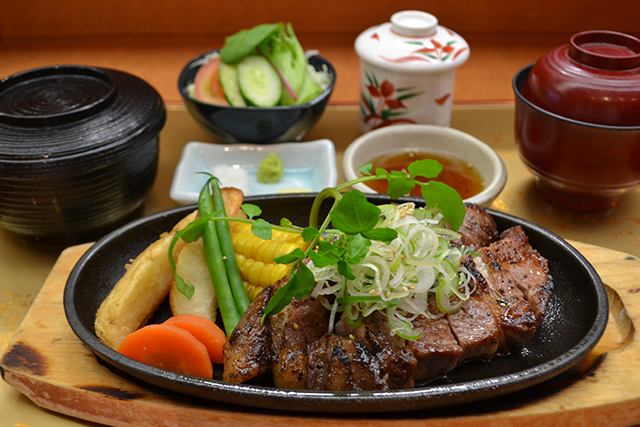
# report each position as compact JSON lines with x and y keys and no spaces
{"x":205,"y":330}
{"x":170,"y":348}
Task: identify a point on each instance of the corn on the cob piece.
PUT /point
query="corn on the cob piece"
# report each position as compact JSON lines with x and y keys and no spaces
{"x":255,"y":256}
{"x":259,"y":249}
{"x":252,"y":291}
{"x":259,"y":273}
{"x":245,"y":227}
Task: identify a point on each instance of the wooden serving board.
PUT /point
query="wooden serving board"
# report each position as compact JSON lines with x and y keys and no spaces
{"x":54,"y":369}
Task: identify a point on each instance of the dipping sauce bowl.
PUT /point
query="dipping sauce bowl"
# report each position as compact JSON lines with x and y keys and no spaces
{"x":436,"y":142}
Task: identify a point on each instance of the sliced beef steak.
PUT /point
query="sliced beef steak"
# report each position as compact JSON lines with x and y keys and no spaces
{"x":340,"y":363}
{"x":299,"y":324}
{"x":396,"y":362}
{"x":496,"y":272}
{"x":249,"y":352}
{"x":436,"y":350}
{"x":527,"y":268}
{"x":478,"y":228}
{"x":475,"y":327}
{"x":511,"y":289}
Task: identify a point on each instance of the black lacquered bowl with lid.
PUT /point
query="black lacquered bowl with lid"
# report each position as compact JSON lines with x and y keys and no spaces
{"x":78,"y":151}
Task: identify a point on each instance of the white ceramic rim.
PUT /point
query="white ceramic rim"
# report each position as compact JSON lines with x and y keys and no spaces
{"x":494,"y":184}
{"x":414,"y":23}
{"x":318,"y":155}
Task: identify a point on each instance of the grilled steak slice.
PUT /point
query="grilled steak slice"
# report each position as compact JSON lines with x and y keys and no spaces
{"x":291,"y":367}
{"x":492,"y":272}
{"x":475,"y":327}
{"x":478,"y":228}
{"x":340,"y":363}
{"x":436,"y":350}
{"x":395,"y":359}
{"x":248,"y":351}
{"x":511,"y":292}
{"x":529,"y":269}
{"x":293,"y":329}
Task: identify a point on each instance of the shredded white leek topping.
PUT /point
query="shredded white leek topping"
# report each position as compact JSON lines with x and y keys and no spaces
{"x":401,"y":277}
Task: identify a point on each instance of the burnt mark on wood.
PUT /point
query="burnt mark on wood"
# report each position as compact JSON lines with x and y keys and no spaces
{"x":23,"y":357}
{"x":113,"y":392}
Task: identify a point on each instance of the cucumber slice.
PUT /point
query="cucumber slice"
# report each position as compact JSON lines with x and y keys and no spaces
{"x":228,"y":76}
{"x":259,"y":82}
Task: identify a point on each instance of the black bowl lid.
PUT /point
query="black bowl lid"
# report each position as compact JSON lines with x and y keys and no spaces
{"x":56,"y":95}
{"x":64,"y":110}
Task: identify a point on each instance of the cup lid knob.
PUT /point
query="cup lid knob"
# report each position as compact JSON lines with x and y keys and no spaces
{"x":414,"y":23}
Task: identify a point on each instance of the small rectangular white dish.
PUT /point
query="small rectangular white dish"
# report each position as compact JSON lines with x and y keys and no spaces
{"x":308,"y":166}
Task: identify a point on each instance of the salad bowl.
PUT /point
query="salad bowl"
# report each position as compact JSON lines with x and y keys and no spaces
{"x":250,"y":124}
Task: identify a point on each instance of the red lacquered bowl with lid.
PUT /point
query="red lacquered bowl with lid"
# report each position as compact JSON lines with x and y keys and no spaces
{"x":577,"y":121}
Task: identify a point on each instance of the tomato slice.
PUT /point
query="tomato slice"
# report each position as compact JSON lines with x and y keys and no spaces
{"x":207,"y":84}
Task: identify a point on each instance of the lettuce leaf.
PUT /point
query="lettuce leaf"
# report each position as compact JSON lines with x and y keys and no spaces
{"x":279,"y":44}
{"x":284,"y":51}
{"x":239,"y":45}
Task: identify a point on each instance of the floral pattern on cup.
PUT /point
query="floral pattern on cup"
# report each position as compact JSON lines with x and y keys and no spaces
{"x":437,"y":52}
{"x":414,"y":60}
{"x":382,"y":104}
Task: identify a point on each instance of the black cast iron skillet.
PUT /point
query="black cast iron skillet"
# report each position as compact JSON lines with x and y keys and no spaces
{"x":576,"y":319}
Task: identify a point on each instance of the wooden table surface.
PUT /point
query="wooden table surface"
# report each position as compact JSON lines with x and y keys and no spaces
{"x":47,"y":363}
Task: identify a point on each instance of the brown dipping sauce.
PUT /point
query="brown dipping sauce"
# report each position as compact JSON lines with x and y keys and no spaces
{"x":462,"y":176}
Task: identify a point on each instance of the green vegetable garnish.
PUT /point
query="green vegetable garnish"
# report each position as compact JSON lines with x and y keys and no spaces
{"x":210,"y":227}
{"x":279,"y":44}
{"x":366,"y":241}
{"x":270,"y":169}
{"x":241,"y":44}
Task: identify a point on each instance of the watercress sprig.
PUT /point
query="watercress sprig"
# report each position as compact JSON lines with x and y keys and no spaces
{"x":354,"y":219}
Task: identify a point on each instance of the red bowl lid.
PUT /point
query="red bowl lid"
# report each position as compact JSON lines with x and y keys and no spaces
{"x":594,"y":79}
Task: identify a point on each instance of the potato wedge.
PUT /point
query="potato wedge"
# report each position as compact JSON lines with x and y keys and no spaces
{"x":140,"y":291}
{"x":192,"y":266}
{"x":233,"y":198}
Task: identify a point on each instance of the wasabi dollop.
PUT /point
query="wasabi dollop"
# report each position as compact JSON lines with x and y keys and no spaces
{"x":270,"y":169}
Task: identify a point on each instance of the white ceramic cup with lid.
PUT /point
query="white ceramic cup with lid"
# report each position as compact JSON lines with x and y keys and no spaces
{"x":407,"y":71}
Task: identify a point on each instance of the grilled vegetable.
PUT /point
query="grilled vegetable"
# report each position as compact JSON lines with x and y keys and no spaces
{"x":191,"y":265}
{"x":283,"y":236}
{"x":261,"y":274}
{"x":255,"y":256}
{"x":168,"y":347}
{"x":140,"y":291}
{"x":254,"y":247}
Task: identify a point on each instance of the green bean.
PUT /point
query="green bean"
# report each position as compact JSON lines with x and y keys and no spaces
{"x":228,"y":252}
{"x":217,"y":270}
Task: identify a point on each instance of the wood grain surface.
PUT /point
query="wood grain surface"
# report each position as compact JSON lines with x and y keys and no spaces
{"x":47,"y":363}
